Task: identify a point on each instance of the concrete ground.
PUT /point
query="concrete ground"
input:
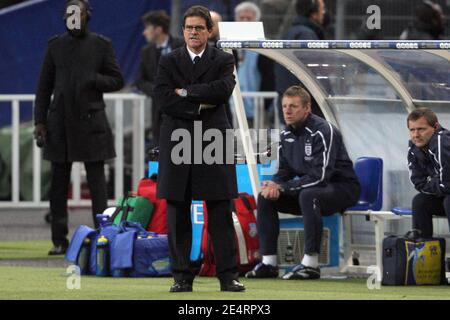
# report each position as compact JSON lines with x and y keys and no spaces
{"x":29,"y":224}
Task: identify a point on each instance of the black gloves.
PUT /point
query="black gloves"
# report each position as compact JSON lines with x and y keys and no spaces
{"x":40,"y":134}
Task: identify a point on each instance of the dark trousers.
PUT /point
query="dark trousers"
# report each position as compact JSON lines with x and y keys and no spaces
{"x":311,"y":203}
{"x":424,"y":206}
{"x":59,"y":190}
{"x":221,"y":232}
{"x":156,"y":123}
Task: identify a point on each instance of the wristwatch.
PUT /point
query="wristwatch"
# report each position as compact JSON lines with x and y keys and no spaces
{"x":183,"y":93}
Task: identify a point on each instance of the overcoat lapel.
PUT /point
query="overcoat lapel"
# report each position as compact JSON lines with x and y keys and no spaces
{"x":204,"y":64}
{"x":185,"y":65}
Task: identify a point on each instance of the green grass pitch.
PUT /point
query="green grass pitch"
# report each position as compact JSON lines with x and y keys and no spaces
{"x":50,"y":283}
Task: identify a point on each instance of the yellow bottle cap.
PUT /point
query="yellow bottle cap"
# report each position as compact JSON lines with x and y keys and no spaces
{"x":102,"y":239}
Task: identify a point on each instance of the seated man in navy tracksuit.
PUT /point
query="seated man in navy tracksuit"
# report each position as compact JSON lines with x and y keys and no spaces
{"x":315,"y":178}
{"x":429,"y":165}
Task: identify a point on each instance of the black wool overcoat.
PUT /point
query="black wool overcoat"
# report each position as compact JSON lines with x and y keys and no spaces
{"x":77,"y":71}
{"x":211,"y":81}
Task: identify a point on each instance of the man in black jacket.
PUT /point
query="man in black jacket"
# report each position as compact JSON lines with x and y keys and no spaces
{"x":315,"y":178}
{"x":429,"y":165}
{"x":193,"y":85}
{"x":429,"y":23}
{"x":308,"y":25}
{"x":79,"y":66}
{"x":160,"y":42}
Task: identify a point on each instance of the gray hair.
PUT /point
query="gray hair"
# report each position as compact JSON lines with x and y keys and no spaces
{"x":247,"y":5}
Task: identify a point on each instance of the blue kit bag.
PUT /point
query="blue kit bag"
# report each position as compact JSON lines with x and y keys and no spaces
{"x":82,"y":250}
{"x":138,"y":253}
{"x":79,"y":248}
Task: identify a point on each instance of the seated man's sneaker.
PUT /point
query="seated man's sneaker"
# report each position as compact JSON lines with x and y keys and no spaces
{"x":181,"y":286}
{"x":262,"y":270}
{"x":233,"y":286}
{"x":57,"y":250}
{"x":301,"y":272}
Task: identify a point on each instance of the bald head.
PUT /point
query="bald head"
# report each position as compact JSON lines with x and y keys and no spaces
{"x":216,"y":18}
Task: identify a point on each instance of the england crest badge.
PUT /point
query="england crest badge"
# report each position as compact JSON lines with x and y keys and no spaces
{"x":308,"y":148}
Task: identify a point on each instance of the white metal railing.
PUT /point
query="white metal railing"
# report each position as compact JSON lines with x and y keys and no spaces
{"x":138,"y":153}
{"x":258,"y":108}
{"x":138,"y":146}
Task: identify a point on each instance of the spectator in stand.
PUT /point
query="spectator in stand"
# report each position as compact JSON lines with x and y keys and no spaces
{"x":428,"y":24}
{"x":308,"y":25}
{"x":215,"y":36}
{"x":160,"y":42}
{"x":255,"y":72}
{"x":248,"y":73}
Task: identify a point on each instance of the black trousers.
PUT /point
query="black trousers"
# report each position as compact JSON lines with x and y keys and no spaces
{"x":424,"y":206}
{"x":59,"y":190}
{"x":312,"y":203}
{"x":221,"y":232}
{"x":156,"y":122}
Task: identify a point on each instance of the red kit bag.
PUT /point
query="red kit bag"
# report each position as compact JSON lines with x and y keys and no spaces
{"x":247,"y":238}
{"x":158,"y":222}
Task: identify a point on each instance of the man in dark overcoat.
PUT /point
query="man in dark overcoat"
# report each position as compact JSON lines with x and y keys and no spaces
{"x":193,"y":85}
{"x":160,"y":42}
{"x":79,"y":66}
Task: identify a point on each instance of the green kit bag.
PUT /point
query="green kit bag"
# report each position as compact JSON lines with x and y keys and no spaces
{"x":133,"y":208}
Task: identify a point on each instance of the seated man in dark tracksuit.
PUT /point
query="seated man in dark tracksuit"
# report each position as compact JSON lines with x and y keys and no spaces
{"x":429,"y":165}
{"x":315,"y":178}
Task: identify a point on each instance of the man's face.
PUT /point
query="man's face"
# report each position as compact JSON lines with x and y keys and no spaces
{"x":246,"y":16}
{"x":195,"y":33}
{"x":318,"y":16}
{"x":151,"y":32}
{"x":420,"y":132}
{"x":294,"y":111}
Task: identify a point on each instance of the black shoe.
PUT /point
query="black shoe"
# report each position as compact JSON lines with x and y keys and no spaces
{"x":262,"y":270}
{"x":181,"y":286}
{"x":57,"y":250}
{"x":302,"y":272}
{"x":233,"y":286}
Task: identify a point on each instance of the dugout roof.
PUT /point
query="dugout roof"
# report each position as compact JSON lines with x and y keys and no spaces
{"x":367,"y":88}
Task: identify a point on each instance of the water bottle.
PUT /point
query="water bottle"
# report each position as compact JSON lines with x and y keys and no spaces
{"x":83,"y":256}
{"x":102,"y":269}
{"x":118,"y":273}
{"x":289,"y":255}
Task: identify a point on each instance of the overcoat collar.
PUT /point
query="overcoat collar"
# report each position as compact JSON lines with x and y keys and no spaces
{"x":187,"y":66}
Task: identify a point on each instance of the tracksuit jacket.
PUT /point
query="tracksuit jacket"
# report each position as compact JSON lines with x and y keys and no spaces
{"x":313,"y":155}
{"x":429,"y":167}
